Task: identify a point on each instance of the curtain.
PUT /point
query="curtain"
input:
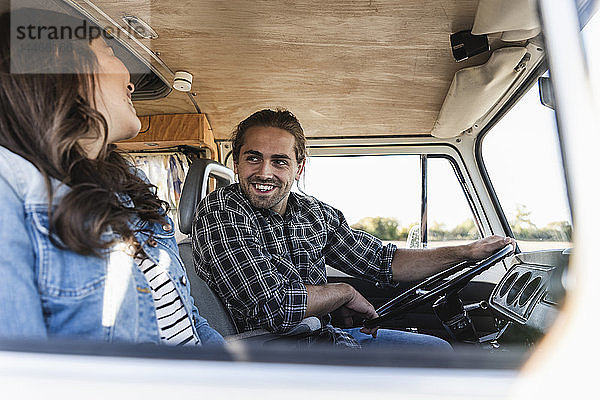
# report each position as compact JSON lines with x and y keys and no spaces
{"x":167,"y":172}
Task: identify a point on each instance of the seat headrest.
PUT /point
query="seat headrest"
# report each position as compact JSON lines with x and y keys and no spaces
{"x":195,"y":188}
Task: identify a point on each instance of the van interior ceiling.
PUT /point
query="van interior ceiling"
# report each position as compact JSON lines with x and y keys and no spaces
{"x":346,"y":69}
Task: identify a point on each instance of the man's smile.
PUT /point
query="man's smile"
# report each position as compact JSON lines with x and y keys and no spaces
{"x":263,"y":187}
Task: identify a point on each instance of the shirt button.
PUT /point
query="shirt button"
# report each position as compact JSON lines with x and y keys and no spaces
{"x":167,"y":227}
{"x":183,"y":280}
{"x":151,"y":242}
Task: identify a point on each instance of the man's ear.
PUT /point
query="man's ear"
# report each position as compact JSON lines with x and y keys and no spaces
{"x":235,"y":167}
{"x":300,"y":169}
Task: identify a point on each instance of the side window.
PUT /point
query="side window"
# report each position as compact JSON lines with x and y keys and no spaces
{"x":522,"y":157}
{"x":450,"y":219}
{"x":382,"y":195}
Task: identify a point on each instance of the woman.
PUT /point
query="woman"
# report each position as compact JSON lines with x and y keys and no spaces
{"x":86,"y":249}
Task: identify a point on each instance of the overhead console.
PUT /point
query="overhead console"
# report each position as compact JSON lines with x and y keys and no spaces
{"x":149,"y":81}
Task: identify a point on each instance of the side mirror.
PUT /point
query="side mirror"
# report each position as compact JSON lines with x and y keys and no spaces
{"x":546,"y":93}
{"x":413,"y":240}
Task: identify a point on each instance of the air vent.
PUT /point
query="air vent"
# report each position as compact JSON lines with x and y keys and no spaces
{"x":530,"y":289}
{"x":520,"y":289}
{"x":508,"y":283}
{"x":516,"y":287}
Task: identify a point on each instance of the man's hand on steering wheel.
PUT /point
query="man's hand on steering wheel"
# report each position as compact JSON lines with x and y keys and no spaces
{"x":487,"y":246}
{"x":448,"y":281}
{"x":495,"y":247}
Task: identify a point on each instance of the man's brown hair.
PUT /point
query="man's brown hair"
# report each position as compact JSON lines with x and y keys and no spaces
{"x":280,"y":118}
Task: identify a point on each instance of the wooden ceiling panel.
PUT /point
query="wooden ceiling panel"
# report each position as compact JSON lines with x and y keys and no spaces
{"x":343,"y":67}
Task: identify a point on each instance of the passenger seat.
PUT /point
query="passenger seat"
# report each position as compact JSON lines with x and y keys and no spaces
{"x":195,"y":188}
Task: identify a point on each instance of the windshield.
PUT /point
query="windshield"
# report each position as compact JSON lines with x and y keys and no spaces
{"x":522,"y":156}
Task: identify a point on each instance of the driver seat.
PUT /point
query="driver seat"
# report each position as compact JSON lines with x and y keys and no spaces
{"x":195,"y":188}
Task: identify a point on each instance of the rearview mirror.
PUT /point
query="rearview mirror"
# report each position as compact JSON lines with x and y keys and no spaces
{"x":546,"y":93}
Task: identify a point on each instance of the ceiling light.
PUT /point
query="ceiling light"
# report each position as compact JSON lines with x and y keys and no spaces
{"x":183,"y":81}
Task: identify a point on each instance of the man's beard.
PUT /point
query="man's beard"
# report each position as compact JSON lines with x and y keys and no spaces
{"x":269,"y":199}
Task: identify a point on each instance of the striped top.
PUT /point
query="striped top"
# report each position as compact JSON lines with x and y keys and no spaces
{"x":174,"y":322}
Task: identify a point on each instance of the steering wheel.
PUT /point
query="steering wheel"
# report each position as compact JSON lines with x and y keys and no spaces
{"x":435,"y":287}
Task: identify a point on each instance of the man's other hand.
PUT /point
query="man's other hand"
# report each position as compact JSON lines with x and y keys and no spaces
{"x":358,"y":307}
{"x":343,"y":302}
{"x":486,"y":247}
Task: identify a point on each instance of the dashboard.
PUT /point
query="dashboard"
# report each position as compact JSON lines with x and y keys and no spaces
{"x":532,"y":290}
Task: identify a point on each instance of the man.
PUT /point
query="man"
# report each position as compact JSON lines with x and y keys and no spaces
{"x":264,"y":249}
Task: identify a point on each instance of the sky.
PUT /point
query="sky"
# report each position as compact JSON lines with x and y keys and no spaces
{"x":521,"y":154}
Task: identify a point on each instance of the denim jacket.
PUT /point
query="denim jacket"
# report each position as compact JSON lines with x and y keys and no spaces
{"x":46,"y":291}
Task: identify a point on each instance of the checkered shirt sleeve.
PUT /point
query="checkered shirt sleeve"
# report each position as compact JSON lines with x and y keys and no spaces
{"x":355,"y":252}
{"x":245,"y":276}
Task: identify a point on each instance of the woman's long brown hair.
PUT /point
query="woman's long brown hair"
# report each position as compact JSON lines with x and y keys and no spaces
{"x":43,"y":116}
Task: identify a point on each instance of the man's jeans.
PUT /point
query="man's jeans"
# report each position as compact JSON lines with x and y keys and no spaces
{"x":389,"y":338}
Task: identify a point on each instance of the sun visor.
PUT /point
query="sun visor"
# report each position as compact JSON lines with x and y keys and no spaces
{"x":516,"y":19}
{"x":517,"y":36}
{"x":475,"y":90}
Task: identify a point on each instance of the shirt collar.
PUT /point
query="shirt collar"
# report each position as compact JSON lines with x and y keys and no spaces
{"x":292,"y":205}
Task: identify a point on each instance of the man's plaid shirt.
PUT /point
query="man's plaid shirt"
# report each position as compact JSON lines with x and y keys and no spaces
{"x":258,"y":262}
